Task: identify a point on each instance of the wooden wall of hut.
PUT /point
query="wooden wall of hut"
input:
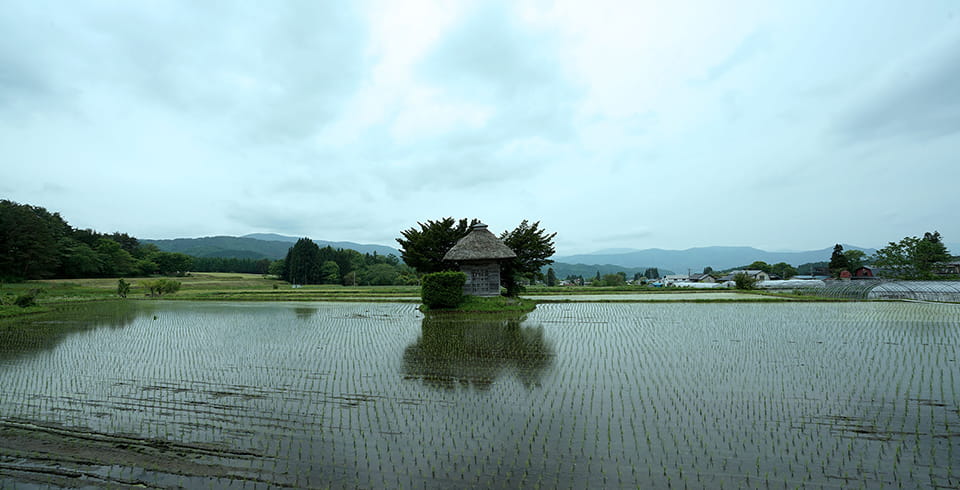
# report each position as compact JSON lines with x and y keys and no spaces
{"x":483,"y":278}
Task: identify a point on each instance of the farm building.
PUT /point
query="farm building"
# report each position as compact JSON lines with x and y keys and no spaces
{"x":673,"y":279}
{"x":704,"y":278}
{"x":863,"y":272}
{"x":759,"y":276}
{"x":684,"y":279}
{"x":479,"y":255}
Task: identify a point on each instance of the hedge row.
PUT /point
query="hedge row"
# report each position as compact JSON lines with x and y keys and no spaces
{"x":443,"y":289}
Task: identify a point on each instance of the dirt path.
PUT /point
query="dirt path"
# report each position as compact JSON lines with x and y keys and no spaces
{"x":43,"y":454}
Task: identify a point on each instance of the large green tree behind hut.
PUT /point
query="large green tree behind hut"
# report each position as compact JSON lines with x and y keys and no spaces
{"x":534,"y":247}
{"x":424,"y":248}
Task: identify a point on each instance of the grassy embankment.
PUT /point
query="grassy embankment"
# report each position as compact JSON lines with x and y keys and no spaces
{"x":558,"y":294}
{"x":253,"y":287}
{"x":496,"y":304}
{"x":197,"y":287}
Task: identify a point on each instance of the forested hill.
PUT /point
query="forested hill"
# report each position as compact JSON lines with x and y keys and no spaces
{"x":257,"y":246}
{"x":364,"y":248}
{"x":38,"y":244}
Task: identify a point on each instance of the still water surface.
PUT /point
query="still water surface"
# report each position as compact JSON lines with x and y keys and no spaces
{"x":571,"y":395}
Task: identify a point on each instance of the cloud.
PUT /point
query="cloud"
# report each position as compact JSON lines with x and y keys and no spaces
{"x":489,"y":54}
{"x":485,"y":104}
{"x":473,"y":167}
{"x":279,"y":216}
{"x":17,"y":84}
{"x":315,"y":217}
{"x":493,"y":59}
{"x":916,"y":98}
{"x":748,"y":48}
{"x":616,"y":124}
{"x":24,"y":80}
{"x":270,"y":72}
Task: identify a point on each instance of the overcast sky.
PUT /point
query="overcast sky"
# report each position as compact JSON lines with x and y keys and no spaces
{"x":636,"y":124}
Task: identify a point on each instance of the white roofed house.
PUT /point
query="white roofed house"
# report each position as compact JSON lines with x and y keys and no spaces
{"x":758,"y":276}
{"x":674,"y":278}
{"x":696,"y":281}
{"x":701,"y":278}
{"x":479,"y":255}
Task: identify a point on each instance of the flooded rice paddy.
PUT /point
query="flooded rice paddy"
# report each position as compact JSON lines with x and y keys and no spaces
{"x":579,"y":395}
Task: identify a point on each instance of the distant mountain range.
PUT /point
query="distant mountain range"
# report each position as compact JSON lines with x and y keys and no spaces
{"x":695,"y":259}
{"x":254,"y":246}
{"x":589,"y":271}
{"x":273,"y":246}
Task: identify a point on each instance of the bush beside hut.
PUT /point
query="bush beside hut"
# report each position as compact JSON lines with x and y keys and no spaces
{"x":443,"y":289}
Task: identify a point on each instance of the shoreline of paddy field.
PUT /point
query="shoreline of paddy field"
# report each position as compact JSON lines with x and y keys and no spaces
{"x":253,"y":287}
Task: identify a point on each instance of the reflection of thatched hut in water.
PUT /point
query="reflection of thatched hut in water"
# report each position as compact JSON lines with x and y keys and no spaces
{"x":479,"y":255}
{"x":474,"y":350}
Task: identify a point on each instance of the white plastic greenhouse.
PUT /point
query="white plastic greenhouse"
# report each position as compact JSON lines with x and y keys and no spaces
{"x":948,"y":291}
{"x":940,"y":291}
{"x":791,"y":284}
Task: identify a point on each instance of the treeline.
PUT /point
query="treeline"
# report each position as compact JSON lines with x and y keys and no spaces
{"x":307,"y":263}
{"x":782,"y":270}
{"x":231,"y":264}
{"x":37,"y":244}
{"x":912,"y":258}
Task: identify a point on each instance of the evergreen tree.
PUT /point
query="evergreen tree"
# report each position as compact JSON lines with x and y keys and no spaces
{"x":302,"y":265}
{"x":533,"y":246}
{"x":838,"y":261}
{"x":930,"y":252}
{"x":30,"y":241}
{"x":424,"y":248}
{"x":551,"y":277}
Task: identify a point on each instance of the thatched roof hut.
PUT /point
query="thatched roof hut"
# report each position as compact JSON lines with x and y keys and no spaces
{"x":479,"y":255}
{"x":479,"y":244}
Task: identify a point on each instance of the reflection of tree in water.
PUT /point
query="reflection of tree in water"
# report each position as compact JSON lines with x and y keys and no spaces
{"x":474,"y":350}
{"x":30,"y":335}
{"x":304,"y":312}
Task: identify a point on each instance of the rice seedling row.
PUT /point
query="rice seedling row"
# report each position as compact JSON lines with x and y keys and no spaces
{"x":573,"y":395}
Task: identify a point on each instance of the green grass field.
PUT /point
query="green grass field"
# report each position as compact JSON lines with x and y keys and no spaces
{"x":198,"y":286}
{"x":212,"y":286}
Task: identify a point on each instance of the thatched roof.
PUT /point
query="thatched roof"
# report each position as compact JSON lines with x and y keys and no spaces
{"x":479,"y":244}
